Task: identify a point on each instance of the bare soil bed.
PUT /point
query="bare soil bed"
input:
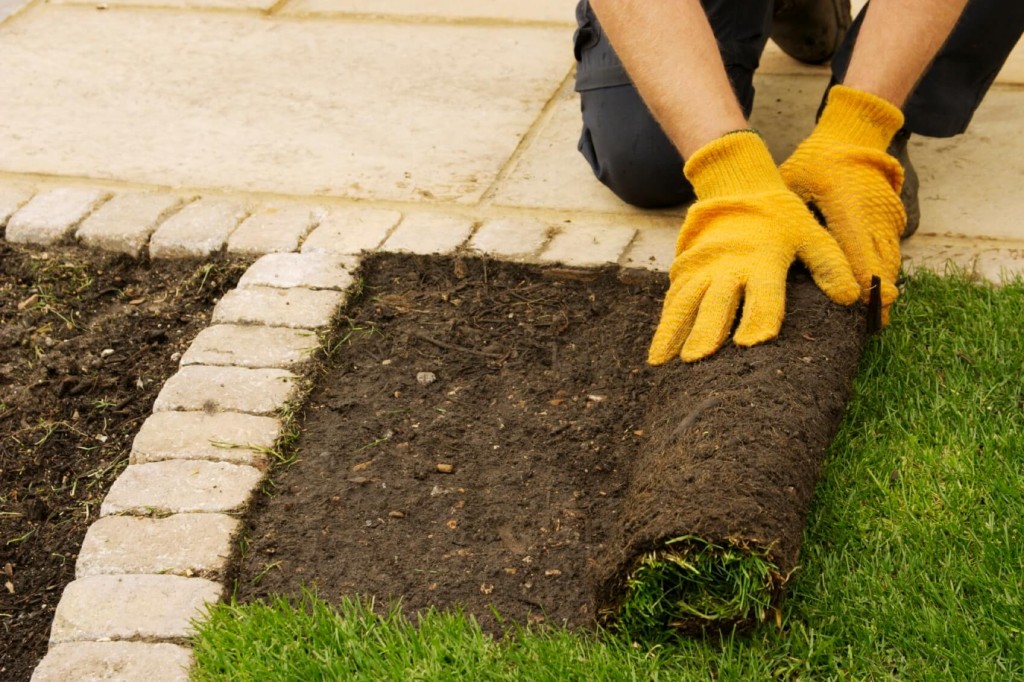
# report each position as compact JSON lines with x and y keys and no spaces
{"x":473,"y":437}
{"x":86,"y":342}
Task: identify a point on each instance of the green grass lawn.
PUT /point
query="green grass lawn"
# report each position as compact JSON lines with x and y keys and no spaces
{"x":912,"y":566}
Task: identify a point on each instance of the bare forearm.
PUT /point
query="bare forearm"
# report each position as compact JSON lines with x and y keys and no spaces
{"x":670,"y":52}
{"x":897,"y":42}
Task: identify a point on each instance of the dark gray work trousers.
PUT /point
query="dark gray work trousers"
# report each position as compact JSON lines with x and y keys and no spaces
{"x":632,"y":156}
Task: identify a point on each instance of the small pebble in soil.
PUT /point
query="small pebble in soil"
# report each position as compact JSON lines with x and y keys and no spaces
{"x":106,"y":352}
{"x":397,"y":514}
{"x":444,"y":468}
{"x":425,"y":378}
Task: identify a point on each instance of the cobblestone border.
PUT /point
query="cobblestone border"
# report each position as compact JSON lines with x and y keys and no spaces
{"x":157,"y":555}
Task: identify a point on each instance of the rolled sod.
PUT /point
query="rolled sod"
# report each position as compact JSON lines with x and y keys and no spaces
{"x":713,"y":519}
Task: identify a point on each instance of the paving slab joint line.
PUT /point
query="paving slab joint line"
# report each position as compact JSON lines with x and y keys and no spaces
{"x":526,"y":141}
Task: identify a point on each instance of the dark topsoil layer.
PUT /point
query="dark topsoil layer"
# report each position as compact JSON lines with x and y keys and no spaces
{"x":501,"y":483}
{"x":86,"y":342}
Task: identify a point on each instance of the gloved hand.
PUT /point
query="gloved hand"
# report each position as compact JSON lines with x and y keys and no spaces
{"x":844,"y":170}
{"x":738,"y":241}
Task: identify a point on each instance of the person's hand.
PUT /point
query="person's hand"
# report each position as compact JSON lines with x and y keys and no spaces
{"x":844,"y":170}
{"x":737,"y":242}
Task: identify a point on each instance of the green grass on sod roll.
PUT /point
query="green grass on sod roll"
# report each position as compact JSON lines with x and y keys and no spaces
{"x":692,"y":584}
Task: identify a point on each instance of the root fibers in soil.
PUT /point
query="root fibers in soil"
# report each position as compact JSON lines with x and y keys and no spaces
{"x":86,"y":342}
{"x":488,"y":436}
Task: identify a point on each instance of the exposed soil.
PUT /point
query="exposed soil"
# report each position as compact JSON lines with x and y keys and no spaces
{"x":86,"y":342}
{"x":496,"y":482}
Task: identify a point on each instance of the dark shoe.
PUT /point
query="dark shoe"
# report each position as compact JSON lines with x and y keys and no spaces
{"x":908,"y":195}
{"x":810,"y":31}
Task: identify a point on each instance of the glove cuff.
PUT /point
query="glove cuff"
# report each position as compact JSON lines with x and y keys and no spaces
{"x":858,"y":117}
{"x":736,"y":163}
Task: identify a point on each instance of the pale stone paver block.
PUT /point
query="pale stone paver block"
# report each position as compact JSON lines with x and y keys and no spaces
{"x":117,"y":607}
{"x":513,"y":238}
{"x":115,"y":662}
{"x":589,"y":244}
{"x":252,"y":346}
{"x":230,"y":389}
{"x":274,"y":229}
{"x":180,"y":544}
{"x":199,"y":229}
{"x":654,"y":247}
{"x":349,"y":231}
{"x":429,"y":233}
{"x":987,"y":260}
{"x":297,"y":308}
{"x":8,"y":8}
{"x":309,"y":270}
{"x":13,"y":197}
{"x":998,"y":265}
{"x":551,"y":173}
{"x":243,"y":102}
{"x":125,"y":223}
{"x":181,"y":487}
{"x":53,"y":215}
{"x":560,"y":11}
{"x":223,"y":436}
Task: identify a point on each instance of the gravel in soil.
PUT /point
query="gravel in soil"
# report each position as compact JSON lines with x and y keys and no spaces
{"x":86,"y":342}
{"x":471,"y":442}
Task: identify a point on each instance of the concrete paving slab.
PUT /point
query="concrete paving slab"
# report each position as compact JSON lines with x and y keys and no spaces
{"x":13,"y":197}
{"x":654,"y":247}
{"x":587,"y":245}
{"x":116,"y":607}
{"x":512,"y":238}
{"x":429,"y":233}
{"x":229,"y":389}
{"x":220,"y":437}
{"x":181,"y":487}
{"x":248,"y":102}
{"x":551,"y":173}
{"x":557,"y":11}
{"x":274,"y":229}
{"x":988,"y":260}
{"x":125,"y":223}
{"x":8,"y":8}
{"x":53,"y":215}
{"x":295,"y":308}
{"x":180,"y":544}
{"x":115,"y":662}
{"x":350,"y":231}
{"x":258,"y":5}
{"x":200,"y":229}
{"x":252,"y":346}
{"x":312,"y":270}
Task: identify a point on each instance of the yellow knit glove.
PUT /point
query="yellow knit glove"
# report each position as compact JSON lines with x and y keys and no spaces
{"x":738,"y":241}
{"x":844,"y":170}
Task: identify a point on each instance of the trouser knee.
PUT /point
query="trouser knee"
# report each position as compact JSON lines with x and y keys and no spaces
{"x":621,"y":140}
{"x":628,"y":151}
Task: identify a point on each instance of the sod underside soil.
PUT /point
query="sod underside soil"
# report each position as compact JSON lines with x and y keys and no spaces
{"x":86,"y":342}
{"x":474,"y":438}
